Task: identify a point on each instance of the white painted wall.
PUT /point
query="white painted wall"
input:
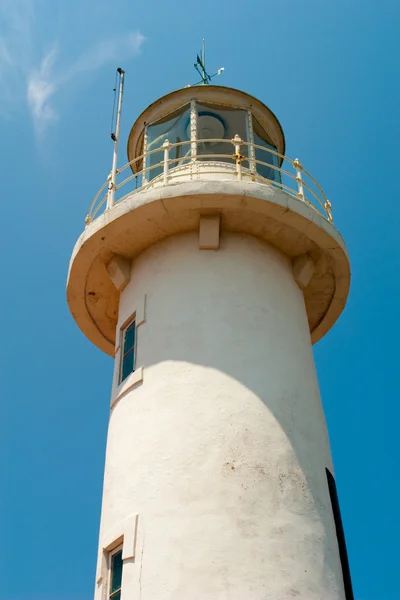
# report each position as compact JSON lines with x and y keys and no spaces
{"x":222,"y":448}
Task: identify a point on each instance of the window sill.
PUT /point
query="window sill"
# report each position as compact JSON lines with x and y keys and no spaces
{"x":124,"y":387}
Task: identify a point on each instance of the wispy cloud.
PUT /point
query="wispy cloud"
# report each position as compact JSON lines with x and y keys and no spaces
{"x":41,"y":86}
{"x":44,"y":83}
{"x":107,"y":51}
{"x":35,"y":81}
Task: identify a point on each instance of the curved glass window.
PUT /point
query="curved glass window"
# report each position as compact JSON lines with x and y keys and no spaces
{"x":175,"y":128}
{"x":220,"y":123}
{"x":261,"y":138}
{"x":216,"y":127}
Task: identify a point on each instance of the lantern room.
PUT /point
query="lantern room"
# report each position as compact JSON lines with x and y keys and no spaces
{"x":205,"y":130}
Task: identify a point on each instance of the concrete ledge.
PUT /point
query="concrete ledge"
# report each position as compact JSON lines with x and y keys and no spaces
{"x":144,"y":218}
{"x":127,"y":385}
{"x":303,"y":270}
{"x":209,"y":232}
{"x":119,"y":270}
{"x":125,"y":534}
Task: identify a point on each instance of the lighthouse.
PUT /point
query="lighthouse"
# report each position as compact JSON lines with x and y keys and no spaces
{"x":207,"y":268}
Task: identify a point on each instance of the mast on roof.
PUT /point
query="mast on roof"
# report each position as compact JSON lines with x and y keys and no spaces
{"x":200,"y":66}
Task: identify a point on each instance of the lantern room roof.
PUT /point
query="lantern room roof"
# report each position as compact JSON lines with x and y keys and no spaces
{"x":209,"y":94}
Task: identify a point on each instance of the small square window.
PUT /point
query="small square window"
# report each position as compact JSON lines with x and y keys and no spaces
{"x":128,"y":346}
{"x":115,"y":574}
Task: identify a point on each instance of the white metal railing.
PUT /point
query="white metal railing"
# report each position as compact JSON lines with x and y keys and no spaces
{"x":298,"y":183}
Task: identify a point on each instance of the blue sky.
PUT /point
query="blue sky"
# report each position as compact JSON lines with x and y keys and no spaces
{"x":329,"y":70}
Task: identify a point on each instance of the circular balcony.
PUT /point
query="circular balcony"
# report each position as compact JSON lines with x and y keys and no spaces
{"x":198,"y":159}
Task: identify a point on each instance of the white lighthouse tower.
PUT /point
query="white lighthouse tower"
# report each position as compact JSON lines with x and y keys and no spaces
{"x":208,"y":267}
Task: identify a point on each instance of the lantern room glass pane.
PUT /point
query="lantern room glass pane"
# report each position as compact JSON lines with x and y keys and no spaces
{"x":215,"y":122}
{"x":262,"y":139}
{"x":175,"y":128}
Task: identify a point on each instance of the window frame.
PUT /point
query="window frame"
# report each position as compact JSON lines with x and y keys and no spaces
{"x":131,"y":321}
{"x":118,"y":549}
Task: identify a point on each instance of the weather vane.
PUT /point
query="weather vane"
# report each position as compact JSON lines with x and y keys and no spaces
{"x":200,"y":66}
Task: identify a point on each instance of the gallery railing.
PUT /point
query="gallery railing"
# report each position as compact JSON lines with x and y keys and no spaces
{"x":147,"y":172}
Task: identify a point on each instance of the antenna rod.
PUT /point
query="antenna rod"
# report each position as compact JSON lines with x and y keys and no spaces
{"x":115,"y":138}
{"x":203,"y":62}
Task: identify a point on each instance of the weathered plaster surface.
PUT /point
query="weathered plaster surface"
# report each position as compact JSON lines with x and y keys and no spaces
{"x":221,"y":449}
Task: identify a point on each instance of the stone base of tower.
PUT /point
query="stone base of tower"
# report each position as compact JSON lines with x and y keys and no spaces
{"x":215,"y":479}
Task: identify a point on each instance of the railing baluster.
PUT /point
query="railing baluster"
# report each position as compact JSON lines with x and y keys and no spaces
{"x":328,"y":210}
{"x":236,"y":142}
{"x":166,"y":146}
{"x":111,"y":191}
{"x":299,"y":179}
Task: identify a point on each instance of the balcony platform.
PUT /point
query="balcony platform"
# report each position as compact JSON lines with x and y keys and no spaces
{"x":247,"y":207}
